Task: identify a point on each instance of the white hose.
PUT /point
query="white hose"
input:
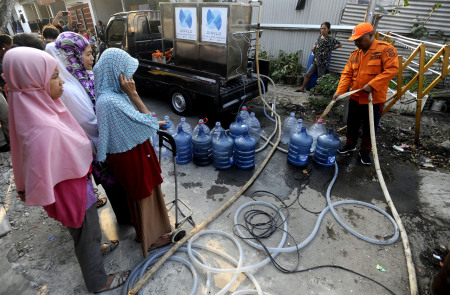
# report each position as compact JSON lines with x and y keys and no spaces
{"x":140,"y":269}
{"x":269,"y":140}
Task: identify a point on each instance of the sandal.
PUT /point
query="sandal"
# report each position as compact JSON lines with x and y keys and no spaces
{"x":109,"y":246}
{"x":162,"y":241}
{"x":299,"y":90}
{"x":101,"y":201}
{"x":118,"y":280}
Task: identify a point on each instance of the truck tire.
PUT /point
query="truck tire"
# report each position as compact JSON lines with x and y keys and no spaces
{"x":181,"y":102}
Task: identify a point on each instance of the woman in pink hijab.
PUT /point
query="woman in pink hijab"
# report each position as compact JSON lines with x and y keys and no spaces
{"x":52,"y":158}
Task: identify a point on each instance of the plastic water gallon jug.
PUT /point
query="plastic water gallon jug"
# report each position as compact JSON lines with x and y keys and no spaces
{"x":215,"y":132}
{"x":201,"y":145}
{"x":237,"y":128}
{"x":244,"y":151}
{"x":254,"y":127}
{"x":171,"y":129}
{"x":243,"y":113}
{"x":184,"y":146}
{"x":186,"y":126}
{"x":299,"y":147}
{"x":288,"y":123}
{"x":326,"y":149}
{"x":316,"y":130}
{"x":223,"y":151}
{"x":297,"y":127}
{"x":206,"y":129}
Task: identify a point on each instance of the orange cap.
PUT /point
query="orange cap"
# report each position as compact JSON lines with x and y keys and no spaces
{"x":360,"y":30}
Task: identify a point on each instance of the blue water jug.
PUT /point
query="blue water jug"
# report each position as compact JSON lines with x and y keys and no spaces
{"x":184,"y":146}
{"x":215,"y":132}
{"x":254,"y":127}
{"x":205,"y":127}
{"x":297,"y":127}
{"x":223,"y":151}
{"x":237,"y":127}
{"x":244,"y":151}
{"x":186,"y":126}
{"x":170,"y":127}
{"x":299,"y":146}
{"x":286,"y":127}
{"x":326,"y":149}
{"x":201,"y":146}
{"x":243,"y":113}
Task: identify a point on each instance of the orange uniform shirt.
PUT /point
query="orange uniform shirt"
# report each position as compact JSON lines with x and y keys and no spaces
{"x":376,"y":67}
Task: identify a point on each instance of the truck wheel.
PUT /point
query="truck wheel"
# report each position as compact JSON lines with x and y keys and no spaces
{"x":181,"y":102}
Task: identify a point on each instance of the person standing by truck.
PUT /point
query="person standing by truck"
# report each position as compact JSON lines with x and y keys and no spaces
{"x":321,"y":49}
{"x":124,"y":134}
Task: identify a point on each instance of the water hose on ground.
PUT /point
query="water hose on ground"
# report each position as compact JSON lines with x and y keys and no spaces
{"x":200,"y":262}
{"x":405,"y":241}
{"x":403,"y":234}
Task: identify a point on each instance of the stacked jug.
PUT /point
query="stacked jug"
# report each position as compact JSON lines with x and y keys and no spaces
{"x":222,"y":150}
{"x":244,"y":151}
{"x":183,"y":143}
{"x":326,"y":149}
{"x":201,"y":144}
{"x":299,"y":146}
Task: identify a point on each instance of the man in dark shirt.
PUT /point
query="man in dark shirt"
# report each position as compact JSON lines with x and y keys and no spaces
{"x":59,"y":24}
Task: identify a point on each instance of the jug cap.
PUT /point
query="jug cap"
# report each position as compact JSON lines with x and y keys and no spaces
{"x":319,"y":120}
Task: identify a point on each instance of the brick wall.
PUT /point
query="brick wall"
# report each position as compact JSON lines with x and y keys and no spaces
{"x":87,"y":20}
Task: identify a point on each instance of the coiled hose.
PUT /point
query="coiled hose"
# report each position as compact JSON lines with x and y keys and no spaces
{"x":197,"y":260}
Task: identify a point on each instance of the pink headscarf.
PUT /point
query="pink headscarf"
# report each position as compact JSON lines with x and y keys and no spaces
{"x":47,"y":144}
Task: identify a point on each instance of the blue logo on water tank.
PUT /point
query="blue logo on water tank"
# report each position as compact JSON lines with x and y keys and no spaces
{"x":214,"y":19}
{"x":185,"y":18}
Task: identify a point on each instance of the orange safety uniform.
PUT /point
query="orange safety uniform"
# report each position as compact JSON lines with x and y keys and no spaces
{"x":376,"y":67}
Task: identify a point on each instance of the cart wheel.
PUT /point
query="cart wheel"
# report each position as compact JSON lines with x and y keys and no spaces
{"x":178,"y":235}
{"x":181,"y":102}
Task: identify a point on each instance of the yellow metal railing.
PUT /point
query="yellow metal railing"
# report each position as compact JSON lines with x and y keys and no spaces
{"x":423,"y":67}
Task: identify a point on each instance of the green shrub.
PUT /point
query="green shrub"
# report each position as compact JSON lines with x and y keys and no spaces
{"x":286,"y":65}
{"x":327,"y":84}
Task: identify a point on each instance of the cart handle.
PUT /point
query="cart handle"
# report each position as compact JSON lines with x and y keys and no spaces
{"x":164,"y":136}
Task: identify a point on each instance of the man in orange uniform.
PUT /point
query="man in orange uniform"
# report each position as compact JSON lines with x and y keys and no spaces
{"x":369,"y":68}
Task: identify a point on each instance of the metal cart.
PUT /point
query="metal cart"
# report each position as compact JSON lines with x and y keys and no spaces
{"x":166,"y":140}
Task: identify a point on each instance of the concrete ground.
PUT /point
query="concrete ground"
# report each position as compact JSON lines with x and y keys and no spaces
{"x":34,"y":263}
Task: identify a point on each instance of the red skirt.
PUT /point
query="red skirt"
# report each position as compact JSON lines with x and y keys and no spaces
{"x":137,"y":170}
{"x":139,"y":173}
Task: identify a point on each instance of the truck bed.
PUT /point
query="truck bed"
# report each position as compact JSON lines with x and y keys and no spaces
{"x":225,"y":93}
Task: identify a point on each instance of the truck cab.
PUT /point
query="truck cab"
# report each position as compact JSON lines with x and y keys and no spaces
{"x":135,"y":32}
